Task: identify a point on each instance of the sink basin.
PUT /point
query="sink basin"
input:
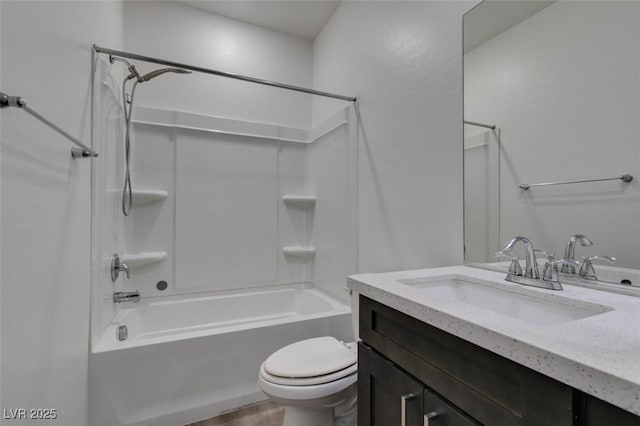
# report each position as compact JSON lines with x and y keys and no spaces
{"x":524,"y":307}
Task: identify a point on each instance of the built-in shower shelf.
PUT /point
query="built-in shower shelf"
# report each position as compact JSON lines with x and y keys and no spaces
{"x":145,"y":258}
{"x":144,"y":196}
{"x":299,"y":251}
{"x":301,"y":201}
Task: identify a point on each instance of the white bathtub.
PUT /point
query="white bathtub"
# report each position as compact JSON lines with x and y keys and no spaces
{"x":187,"y":358}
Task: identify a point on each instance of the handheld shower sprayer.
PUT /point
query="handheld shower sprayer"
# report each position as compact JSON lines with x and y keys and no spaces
{"x":127,"y":195}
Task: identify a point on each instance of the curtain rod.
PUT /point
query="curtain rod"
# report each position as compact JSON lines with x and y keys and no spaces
{"x":137,"y":57}
{"x":473,"y":123}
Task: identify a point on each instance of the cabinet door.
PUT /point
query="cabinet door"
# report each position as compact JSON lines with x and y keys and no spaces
{"x":595,"y":412}
{"x":438,"y":412}
{"x":387,"y":396}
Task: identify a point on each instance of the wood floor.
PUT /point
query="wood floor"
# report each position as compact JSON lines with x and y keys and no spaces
{"x":264,"y":413}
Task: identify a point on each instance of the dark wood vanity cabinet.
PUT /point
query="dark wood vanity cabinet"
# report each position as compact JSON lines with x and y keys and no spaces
{"x":393,"y":397}
{"x":411,"y":373}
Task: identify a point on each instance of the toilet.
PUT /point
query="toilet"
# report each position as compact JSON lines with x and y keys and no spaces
{"x":315,"y":379}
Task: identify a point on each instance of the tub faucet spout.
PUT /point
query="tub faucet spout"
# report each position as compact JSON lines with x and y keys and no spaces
{"x":126,"y":296}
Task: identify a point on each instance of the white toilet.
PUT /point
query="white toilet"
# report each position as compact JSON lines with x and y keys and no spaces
{"x":315,"y":379}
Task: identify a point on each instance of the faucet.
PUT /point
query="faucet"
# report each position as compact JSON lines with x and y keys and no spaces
{"x":569,"y":252}
{"x":531,"y":266}
{"x":126,"y":296}
{"x":531,"y":276}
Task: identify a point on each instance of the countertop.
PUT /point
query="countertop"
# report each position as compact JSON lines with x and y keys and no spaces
{"x":599,"y":355}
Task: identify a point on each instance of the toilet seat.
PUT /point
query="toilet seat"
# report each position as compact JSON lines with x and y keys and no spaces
{"x":307,"y":381}
{"x":307,"y":393}
{"x":311,"y":358}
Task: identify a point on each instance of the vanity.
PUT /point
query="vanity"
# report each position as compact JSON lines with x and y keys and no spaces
{"x":461,"y":346}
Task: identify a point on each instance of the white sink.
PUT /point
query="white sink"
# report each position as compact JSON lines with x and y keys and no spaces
{"x":524,"y":307}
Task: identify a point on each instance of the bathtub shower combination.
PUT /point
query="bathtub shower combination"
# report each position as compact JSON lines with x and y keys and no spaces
{"x":239,"y":243}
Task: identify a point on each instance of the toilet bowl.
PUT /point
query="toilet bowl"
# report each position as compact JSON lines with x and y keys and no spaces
{"x":315,"y":379}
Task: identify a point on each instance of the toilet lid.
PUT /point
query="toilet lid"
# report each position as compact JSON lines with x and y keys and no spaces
{"x":309,"y":358}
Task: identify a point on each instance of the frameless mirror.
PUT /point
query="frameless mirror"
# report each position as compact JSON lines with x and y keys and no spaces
{"x":560,"y":81}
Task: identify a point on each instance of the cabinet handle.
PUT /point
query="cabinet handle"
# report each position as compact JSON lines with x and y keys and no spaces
{"x":430,"y":416}
{"x":403,"y":407}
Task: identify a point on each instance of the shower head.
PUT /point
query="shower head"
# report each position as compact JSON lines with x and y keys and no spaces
{"x":154,"y":74}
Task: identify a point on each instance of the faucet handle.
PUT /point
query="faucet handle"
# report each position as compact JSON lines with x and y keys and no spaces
{"x":124,"y":268}
{"x":550,"y":272}
{"x":514,"y":267}
{"x":118,"y":266}
{"x":587,"y":271}
{"x":551,"y":268}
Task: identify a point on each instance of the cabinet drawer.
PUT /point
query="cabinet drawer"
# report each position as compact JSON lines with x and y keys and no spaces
{"x":492,"y":389}
{"x":438,"y":412}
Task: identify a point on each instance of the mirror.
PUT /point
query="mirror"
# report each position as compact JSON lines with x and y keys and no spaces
{"x":560,"y":81}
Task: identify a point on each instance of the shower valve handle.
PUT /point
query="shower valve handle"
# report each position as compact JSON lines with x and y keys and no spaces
{"x":117,"y":266}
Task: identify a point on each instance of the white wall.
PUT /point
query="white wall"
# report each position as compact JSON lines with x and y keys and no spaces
{"x":567,"y":104}
{"x":333,"y":179}
{"x":183,"y":34}
{"x":46,"y":203}
{"x":481,"y":194}
{"x":404,"y":61}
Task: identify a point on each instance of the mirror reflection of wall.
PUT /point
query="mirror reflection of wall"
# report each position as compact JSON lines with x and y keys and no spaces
{"x":563,"y":86}
{"x":481,"y":195}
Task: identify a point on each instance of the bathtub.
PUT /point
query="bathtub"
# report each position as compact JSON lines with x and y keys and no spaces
{"x":187,"y":358}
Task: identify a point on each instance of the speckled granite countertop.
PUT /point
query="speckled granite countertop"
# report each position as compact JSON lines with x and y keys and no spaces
{"x":599,"y":355}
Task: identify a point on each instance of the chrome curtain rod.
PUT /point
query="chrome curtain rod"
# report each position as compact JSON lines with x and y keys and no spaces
{"x":625,"y":178}
{"x":473,"y":123}
{"x":16,"y":101}
{"x":137,"y":57}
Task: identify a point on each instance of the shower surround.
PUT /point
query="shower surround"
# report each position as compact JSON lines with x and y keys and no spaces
{"x":239,"y":243}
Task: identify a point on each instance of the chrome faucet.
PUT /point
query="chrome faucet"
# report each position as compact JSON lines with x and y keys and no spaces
{"x":531,"y":277}
{"x":126,"y":296}
{"x":570,"y":252}
{"x":531,"y":265}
